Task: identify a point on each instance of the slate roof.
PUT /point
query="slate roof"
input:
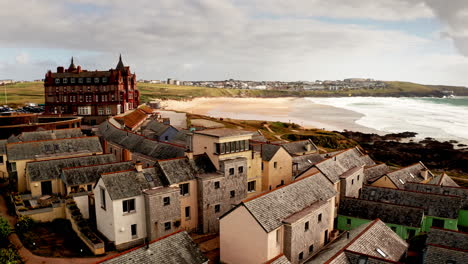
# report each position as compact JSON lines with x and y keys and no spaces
{"x":177,"y":248}
{"x":299,"y":147}
{"x":408,"y":174}
{"x":374,"y":172}
{"x":203,"y":164}
{"x":281,"y":259}
{"x":180,"y":137}
{"x":50,"y":134}
{"x":338,"y":164}
{"x":125,"y":184}
{"x":389,"y":213}
{"x":140,"y":144}
{"x":176,"y":170}
{"x":444,"y":245}
{"x":271,"y":208}
{"x":51,"y":169}
{"x":269,"y":151}
{"x":306,"y":161}
{"x":364,"y":240}
{"x":224,"y":132}
{"x":3,"y":143}
{"x":433,"y":204}
{"x":89,"y":174}
{"x":443,"y":179}
{"x":438,"y":189}
{"x":156,"y":127}
{"x":55,"y":147}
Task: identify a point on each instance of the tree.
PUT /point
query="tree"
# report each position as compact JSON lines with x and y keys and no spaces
{"x":10,"y":256}
{"x":5,"y":229}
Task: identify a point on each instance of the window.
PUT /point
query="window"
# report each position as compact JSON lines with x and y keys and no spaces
{"x":84,"y":110}
{"x":348,"y":221}
{"x":251,"y":186}
{"x":103,"y":198}
{"x":217,"y":208}
{"x":64,"y":98}
{"x":1,"y":159}
{"x":167,"y":226}
{"x":311,"y":248}
{"x":166,"y":201}
{"x":381,"y":252}
{"x":233,"y":194}
{"x":358,"y":177}
{"x":278,"y":233}
{"x":187,"y":212}
{"x":275,"y":164}
{"x":81,"y":98}
{"x":89,"y":187}
{"x":13,"y":166}
{"x":96,"y":80}
{"x":362,"y":260}
{"x":306,"y":226}
{"x":241,"y":169}
{"x":80,"y":80}
{"x":134,"y":230}
{"x":393,"y":228}
{"x":216,"y":185}
{"x":65,"y":80}
{"x":231,"y":171}
{"x":104,"y":79}
{"x":438,"y":223}
{"x":72,"y":80}
{"x":57,"y":80}
{"x":88,"y":80}
{"x":89,"y":98}
{"x":301,"y":255}
{"x":128,"y":205}
{"x":184,"y":189}
{"x":319,"y":218}
{"x":108,"y":110}
{"x":100,"y":111}
{"x":352,"y":181}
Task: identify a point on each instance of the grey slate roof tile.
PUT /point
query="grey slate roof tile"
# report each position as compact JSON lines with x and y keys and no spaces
{"x":156,"y":127}
{"x":389,"y":213}
{"x":281,"y":260}
{"x":299,"y":147}
{"x":269,"y":151}
{"x":50,"y":134}
{"x":89,"y":174}
{"x":433,"y":204}
{"x":176,"y":170}
{"x":438,"y":255}
{"x":177,"y":248}
{"x":448,"y":238}
{"x":3,"y":146}
{"x":443,"y":179}
{"x":439,"y":189}
{"x":374,"y":172}
{"x":55,"y":147}
{"x":408,"y":174}
{"x":338,"y":164}
{"x":51,"y":169}
{"x":272,"y":208}
{"x":306,"y":161}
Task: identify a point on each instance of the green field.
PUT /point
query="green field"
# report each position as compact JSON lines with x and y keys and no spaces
{"x":33,"y":92}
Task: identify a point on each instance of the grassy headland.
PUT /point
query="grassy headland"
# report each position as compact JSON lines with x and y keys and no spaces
{"x":33,"y":92}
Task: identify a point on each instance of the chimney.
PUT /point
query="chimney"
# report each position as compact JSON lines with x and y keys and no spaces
{"x":139,"y":166}
{"x":308,"y":147}
{"x":189,"y":155}
{"x":425,"y":173}
{"x":78,"y":69}
{"x":60,"y":69}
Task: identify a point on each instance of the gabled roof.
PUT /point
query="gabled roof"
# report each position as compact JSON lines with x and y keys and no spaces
{"x":125,"y":184}
{"x":50,"y":134}
{"x":147,"y":109}
{"x":446,"y":245}
{"x":176,"y":248}
{"x":55,"y":147}
{"x":306,"y":161}
{"x":89,"y":174}
{"x":374,"y":172}
{"x":132,"y":119}
{"x":434,"y":204}
{"x":408,"y":174}
{"x":157,"y":127}
{"x":139,"y":144}
{"x":51,"y":169}
{"x":366,"y":240}
{"x":271,"y":208}
{"x":338,"y":164}
{"x":439,"y":189}
{"x":299,"y":147}
{"x":176,"y":170}
{"x":389,"y":213}
{"x":269,"y":151}
{"x":443,"y":180}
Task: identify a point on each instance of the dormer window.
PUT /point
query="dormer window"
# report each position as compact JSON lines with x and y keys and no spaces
{"x":104,"y":79}
{"x":72,"y":80}
{"x":57,"y":80}
{"x":402,"y":182}
{"x":381,"y":252}
{"x":88,"y":80}
{"x":96,"y":80}
{"x":80,"y":80}
{"x":65,"y":80}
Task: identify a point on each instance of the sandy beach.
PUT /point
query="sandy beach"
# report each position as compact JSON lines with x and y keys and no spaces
{"x":297,"y":110}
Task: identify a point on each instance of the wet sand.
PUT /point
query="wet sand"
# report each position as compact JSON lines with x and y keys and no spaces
{"x":297,"y":110}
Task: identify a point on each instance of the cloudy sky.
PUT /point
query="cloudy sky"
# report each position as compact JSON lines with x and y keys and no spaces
{"x":424,"y":41}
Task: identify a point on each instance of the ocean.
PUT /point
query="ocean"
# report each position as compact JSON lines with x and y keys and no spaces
{"x":440,"y":118}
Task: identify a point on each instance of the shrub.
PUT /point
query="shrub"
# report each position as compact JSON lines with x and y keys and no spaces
{"x":24,"y":224}
{"x":10,"y":256}
{"x":5,"y":229}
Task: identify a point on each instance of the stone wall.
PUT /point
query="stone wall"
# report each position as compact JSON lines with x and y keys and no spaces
{"x":157,"y":214}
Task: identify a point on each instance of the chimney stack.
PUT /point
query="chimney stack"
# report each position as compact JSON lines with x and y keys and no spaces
{"x":139,"y":166}
{"x":425,"y":173}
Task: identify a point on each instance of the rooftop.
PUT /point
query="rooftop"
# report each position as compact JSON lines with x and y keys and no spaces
{"x":411,"y":173}
{"x":224,"y":132}
{"x":89,"y":174}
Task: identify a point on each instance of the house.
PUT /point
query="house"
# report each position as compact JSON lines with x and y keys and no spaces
{"x":443,"y":180}
{"x":295,"y":220}
{"x":406,"y":221}
{"x":44,"y":177}
{"x":175,"y":248}
{"x":160,"y":131}
{"x":126,"y":145}
{"x":301,"y":147}
{"x":345,"y":170}
{"x":445,"y":190}
{"x":373,"y":242}
{"x":397,"y":179}
{"x":446,"y":246}
{"x":132,"y":120}
{"x":304,"y":162}
{"x":20,"y":153}
{"x":375,"y":172}
{"x":3,"y":159}
{"x":224,"y":143}
{"x":276,"y":166}
{"x":439,"y":210}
